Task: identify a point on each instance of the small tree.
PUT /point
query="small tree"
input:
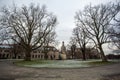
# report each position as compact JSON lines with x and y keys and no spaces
{"x":81,"y":38}
{"x":72,"y":46}
{"x":31,"y":25}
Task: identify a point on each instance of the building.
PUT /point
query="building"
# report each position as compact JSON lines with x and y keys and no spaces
{"x":46,"y":52}
{"x":5,"y":52}
{"x":63,"y":52}
{"x":10,"y":51}
{"x":14,"y":51}
{"x":90,"y":54}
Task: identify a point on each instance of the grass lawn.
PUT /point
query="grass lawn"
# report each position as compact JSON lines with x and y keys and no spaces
{"x":62,"y":63}
{"x":99,"y":63}
{"x":32,"y":62}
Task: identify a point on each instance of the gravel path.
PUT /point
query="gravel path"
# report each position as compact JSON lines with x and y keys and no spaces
{"x":9,"y":71}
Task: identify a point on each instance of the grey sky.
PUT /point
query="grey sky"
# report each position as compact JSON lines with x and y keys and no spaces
{"x":63,"y":9}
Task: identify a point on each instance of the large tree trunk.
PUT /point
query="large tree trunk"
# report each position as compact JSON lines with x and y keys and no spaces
{"x":83,"y":54}
{"x":73,"y":55}
{"x":28,"y":55}
{"x":46,"y":56}
{"x":73,"y":47}
{"x":104,"y":58}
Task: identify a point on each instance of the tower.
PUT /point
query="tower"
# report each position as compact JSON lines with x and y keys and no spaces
{"x":63,"y":52}
{"x":63,"y":48}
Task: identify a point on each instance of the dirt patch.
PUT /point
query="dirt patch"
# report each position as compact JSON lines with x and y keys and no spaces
{"x":7,"y":79}
{"x":112,"y":77}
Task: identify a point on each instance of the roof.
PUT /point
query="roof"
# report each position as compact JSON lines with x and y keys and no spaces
{"x":48,"y":46}
{"x":5,"y":45}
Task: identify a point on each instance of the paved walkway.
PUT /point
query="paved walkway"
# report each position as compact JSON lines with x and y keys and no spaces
{"x":9,"y":71}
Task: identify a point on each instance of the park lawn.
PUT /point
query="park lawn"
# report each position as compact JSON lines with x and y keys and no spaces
{"x":32,"y":62}
{"x":100,"y":63}
{"x":62,"y":63}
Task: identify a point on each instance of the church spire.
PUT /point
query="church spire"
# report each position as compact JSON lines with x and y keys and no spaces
{"x":63,"y":43}
{"x":63,"y":48}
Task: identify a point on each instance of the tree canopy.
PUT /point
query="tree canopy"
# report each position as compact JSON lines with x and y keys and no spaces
{"x":29,"y":25}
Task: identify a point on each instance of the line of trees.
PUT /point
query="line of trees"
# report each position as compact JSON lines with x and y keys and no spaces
{"x":33,"y":26}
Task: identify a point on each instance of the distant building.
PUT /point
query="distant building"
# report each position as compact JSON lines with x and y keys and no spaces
{"x":14,"y":52}
{"x":5,"y":52}
{"x":63,"y":53}
{"x":10,"y":51}
{"x":113,"y":56}
{"x":46,"y":52}
{"x":90,"y":54}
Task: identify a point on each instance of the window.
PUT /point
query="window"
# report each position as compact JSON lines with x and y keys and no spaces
{"x":6,"y":51}
{"x":32,"y":56}
{"x":38,"y":56}
{"x":34,"y":51}
{"x":35,"y":56}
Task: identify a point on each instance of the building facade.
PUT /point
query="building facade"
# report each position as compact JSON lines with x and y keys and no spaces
{"x":14,"y":52}
{"x":46,"y":52}
{"x":90,"y":54}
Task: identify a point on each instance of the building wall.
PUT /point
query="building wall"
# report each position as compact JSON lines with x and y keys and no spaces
{"x":53,"y":55}
{"x":5,"y":53}
{"x":90,"y":54}
{"x":10,"y":53}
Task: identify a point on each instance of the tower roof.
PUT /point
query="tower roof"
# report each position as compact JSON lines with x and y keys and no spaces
{"x":63,"y":48}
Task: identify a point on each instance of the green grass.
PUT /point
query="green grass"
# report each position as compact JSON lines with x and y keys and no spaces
{"x":99,"y":63}
{"x":32,"y":62}
{"x":62,"y":63}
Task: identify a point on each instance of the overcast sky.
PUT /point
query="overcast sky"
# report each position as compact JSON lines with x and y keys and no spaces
{"x":63,"y":9}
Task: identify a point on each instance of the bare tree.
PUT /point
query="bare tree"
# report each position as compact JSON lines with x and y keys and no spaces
{"x":72,"y":46}
{"x":51,"y":38}
{"x":17,"y":50}
{"x":4,"y":36}
{"x":96,"y":21}
{"x":82,"y":39}
{"x":31,"y":25}
{"x":114,"y":32}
